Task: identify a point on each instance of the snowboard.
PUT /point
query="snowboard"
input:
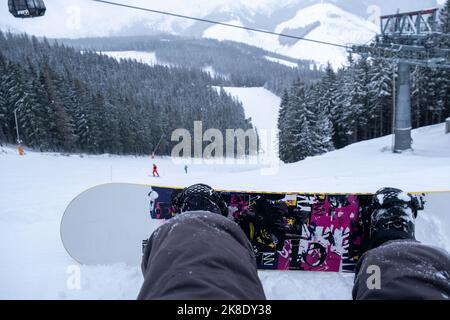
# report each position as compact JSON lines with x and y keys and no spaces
{"x":111,"y":223}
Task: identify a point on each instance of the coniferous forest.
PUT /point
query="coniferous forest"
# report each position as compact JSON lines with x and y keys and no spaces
{"x":356,"y":103}
{"x":237,"y":64}
{"x":72,"y":101}
{"x":70,"y":98}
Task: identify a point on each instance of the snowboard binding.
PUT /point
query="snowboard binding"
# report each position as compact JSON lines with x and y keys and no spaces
{"x":390,"y":215}
{"x":199,"y":197}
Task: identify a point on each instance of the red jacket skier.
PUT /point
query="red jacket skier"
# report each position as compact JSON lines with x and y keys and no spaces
{"x":155,"y":170}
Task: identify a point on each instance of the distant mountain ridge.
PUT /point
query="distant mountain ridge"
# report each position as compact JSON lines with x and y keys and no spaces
{"x":358,"y":24}
{"x":321,"y":21}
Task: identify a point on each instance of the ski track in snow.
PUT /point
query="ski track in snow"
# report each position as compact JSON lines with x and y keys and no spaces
{"x":259,"y":104}
{"x":283,"y":62}
{"x":148,"y":58}
{"x":35,"y":190}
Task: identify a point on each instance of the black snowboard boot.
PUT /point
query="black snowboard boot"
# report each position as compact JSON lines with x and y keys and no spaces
{"x":199,"y":197}
{"x":392,"y":216}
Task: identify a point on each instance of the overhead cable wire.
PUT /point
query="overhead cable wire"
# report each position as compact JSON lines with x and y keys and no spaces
{"x":222,"y":23}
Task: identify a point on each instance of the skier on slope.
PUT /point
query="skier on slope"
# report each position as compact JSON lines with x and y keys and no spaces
{"x":155,"y":171}
{"x":201,"y":254}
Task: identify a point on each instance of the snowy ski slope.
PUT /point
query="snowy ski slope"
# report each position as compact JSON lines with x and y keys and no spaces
{"x":35,"y":190}
{"x":148,"y":58}
{"x":262,"y":106}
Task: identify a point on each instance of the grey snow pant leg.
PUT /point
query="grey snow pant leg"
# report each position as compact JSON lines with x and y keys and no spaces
{"x":200,"y":255}
{"x":403,"y":269}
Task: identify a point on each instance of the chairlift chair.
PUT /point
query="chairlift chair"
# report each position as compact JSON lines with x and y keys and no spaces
{"x":27,"y":8}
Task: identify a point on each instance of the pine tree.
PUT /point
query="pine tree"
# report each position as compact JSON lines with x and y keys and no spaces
{"x":443,"y":75}
{"x":29,"y":121}
{"x":320,"y":122}
{"x":380,"y":98}
{"x":12,"y":89}
{"x":33,"y":115}
{"x":3,"y":106}
{"x":322,"y":101}
{"x":360,"y":100}
{"x":444,"y":18}
{"x":429,"y":96}
{"x":297,"y":142}
{"x":304,"y":120}
{"x":83,"y":122}
{"x":95,"y":115}
{"x":327,"y":89}
{"x":283,"y":135}
{"x":345,"y":113}
{"x":110,"y":130}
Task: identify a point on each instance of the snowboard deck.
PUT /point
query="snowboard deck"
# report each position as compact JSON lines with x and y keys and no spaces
{"x":309,"y":231}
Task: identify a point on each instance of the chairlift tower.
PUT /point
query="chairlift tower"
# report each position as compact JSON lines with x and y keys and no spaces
{"x":407,"y":39}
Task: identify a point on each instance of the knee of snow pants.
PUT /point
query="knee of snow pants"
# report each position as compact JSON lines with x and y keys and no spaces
{"x":403,"y":269}
{"x":200,"y":255}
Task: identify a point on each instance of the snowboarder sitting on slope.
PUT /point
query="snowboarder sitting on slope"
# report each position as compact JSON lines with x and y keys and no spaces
{"x":155,"y":171}
{"x":201,"y":254}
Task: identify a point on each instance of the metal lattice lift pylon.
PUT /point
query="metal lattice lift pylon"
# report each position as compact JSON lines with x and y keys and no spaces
{"x":408,"y":39}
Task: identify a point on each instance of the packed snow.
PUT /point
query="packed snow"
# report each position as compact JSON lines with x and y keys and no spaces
{"x":222,"y":33}
{"x":148,"y":58}
{"x":213,"y":73}
{"x":336,"y":26}
{"x":36,"y":189}
{"x":282,"y":61}
{"x":259,"y":104}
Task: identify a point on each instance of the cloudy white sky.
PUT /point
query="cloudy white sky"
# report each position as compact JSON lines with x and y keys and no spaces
{"x":79,"y":18}
{"x":74,"y":18}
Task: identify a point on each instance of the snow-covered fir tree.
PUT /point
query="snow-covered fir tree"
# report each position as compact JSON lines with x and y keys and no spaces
{"x":444,"y":18}
{"x":283,"y":135}
{"x":380,"y":99}
{"x":321,"y":125}
{"x":305,"y":126}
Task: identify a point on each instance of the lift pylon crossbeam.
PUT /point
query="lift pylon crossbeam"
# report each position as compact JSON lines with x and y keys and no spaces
{"x":410,"y":38}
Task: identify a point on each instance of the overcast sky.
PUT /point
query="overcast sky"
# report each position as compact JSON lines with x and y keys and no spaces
{"x":84,"y":17}
{"x":79,"y":18}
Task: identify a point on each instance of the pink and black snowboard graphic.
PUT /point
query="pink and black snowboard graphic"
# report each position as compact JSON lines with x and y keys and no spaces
{"x":290,"y":231}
